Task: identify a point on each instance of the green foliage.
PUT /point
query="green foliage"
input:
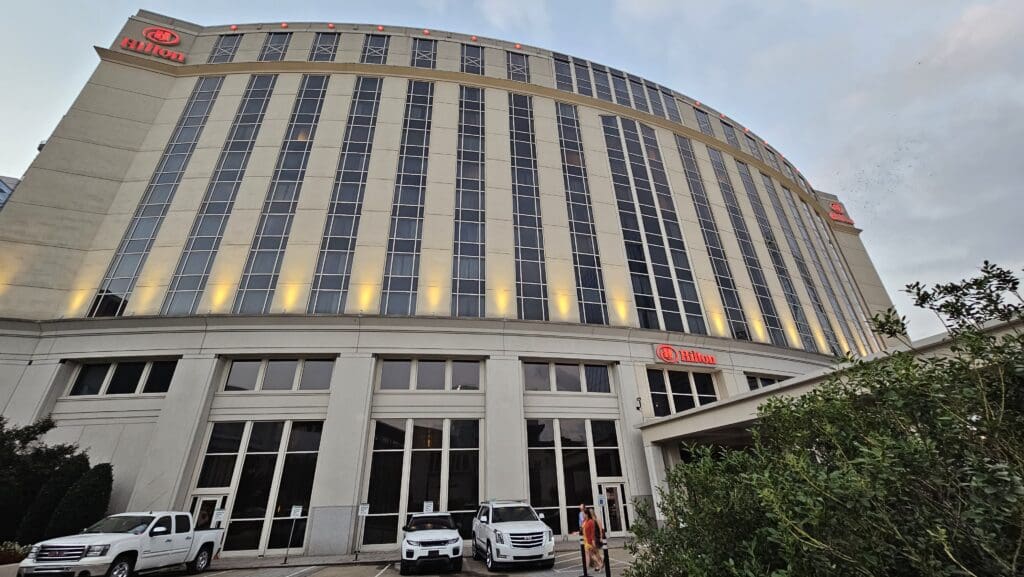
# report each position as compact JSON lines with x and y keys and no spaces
{"x":25,"y":465}
{"x":84,"y":503}
{"x":33,"y":525}
{"x":11,"y":552}
{"x":912,"y":465}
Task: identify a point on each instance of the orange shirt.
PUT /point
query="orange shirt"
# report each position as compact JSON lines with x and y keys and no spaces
{"x":590,"y":531}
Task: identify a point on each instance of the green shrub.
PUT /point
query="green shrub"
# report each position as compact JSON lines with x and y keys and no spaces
{"x":11,"y":552}
{"x":33,"y":525}
{"x":84,"y":503}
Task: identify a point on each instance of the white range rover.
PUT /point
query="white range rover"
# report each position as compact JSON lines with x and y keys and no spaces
{"x":506,"y":532}
{"x":431,"y":539}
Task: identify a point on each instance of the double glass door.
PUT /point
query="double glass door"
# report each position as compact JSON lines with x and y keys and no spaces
{"x":613,"y":508}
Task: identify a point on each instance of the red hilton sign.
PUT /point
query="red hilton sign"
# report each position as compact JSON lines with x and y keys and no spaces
{"x":837,"y":212}
{"x":676,"y":355}
{"x":156,"y":39}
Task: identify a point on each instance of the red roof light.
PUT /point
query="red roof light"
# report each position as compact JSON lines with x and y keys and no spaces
{"x":380,"y":28}
{"x":473,"y":38}
{"x":426,"y":32}
{"x":331,"y":25}
{"x":234,"y":26}
{"x":518,"y":46}
{"x":284,"y":25}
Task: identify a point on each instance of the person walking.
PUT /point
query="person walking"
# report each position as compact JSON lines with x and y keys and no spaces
{"x":591,"y":535}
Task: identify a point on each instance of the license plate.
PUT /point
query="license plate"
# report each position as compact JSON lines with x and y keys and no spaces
{"x":432,"y":553}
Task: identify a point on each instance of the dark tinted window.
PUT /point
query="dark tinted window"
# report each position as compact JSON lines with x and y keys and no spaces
{"x":280,"y":375}
{"x":242,"y":376}
{"x":574,"y":432}
{"x":225,"y":438}
{"x":394,"y":374}
{"x":389,"y":434}
{"x":540,"y":433}
{"x":426,"y":434}
{"x":182,"y":524}
{"x":465,"y":375}
{"x":265,"y":437}
{"x":535,"y":376}
{"x":160,"y":375}
{"x":90,"y":379}
{"x":465,"y":434}
{"x":430,"y":375}
{"x":597,"y":379}
{"x":164,"y":522}
{"x":604,"y":433}
{"x":567,"y":377}
{"x":126,"y":378}
{"x":316,"y":374}
{"x":305,"y":436}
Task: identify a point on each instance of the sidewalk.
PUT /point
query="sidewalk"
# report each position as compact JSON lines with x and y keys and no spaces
{"x":366,"y":558}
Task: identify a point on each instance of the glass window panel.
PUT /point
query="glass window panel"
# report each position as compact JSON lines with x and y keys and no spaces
{"x":280,"y":529}
{"x":182,"y":524}
{"x":567,"y":377}
{"x":90,"y":379}
{"x":254,"y":486}
{"x":389,"y":434}
{"x":217,"y":471}
{"x":597,"y":379}
{"x":576,"y":471}
{"x":380,"y":529}
{"x":242,"y":376}
{"x":426,"y":434}
{"x":705,"y":385}
{"x":243,"y":535}
{"x":394,"y":374}
{"x":464,"y":523}
{"x":424,"y":480}
{"x":604,"y":433}
{"x":305,"y":436}
{"x":296,"y":483}
{"x":552,"y":519}
{"x":540,"y":433}
{"x":126,"y":378}
{"x":606,"y":463}
{"x":430,"y":375}
{"x":280,"y":375}
{"x":656,"y":380}
{"x":160,"y":375}
{"x":316,"y":374}
{"x":543,"y":479}
{"x":463,"y":480}
{"x":573,"y":432}
{"x":465,"y":434}
{"x":265,"y":437}
{"x":385,"y":482}
{"x":225,"y":438}
{"x":536,"y":377}
{"x":465,"y":375}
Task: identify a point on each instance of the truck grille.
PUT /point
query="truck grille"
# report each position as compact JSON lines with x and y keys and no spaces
{"x":527,"y":540}
{"x":57,"y":553}
{"x":433,"y":543}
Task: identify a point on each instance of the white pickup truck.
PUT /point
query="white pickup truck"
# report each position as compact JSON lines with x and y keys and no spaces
{"x":121,"y":545}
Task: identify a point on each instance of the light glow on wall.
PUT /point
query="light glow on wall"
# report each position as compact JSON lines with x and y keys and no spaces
{"x":290,"y":296}
{"x":792,"y":335}
{"x":219,"y":294}
{"x":76,"y":304}
{"x":502,"y":299}
{"x":717,"y":317}
{"x":757,"y":323}
{"x":562,"y":304}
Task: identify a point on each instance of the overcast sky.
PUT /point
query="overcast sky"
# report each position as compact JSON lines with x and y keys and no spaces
{"x":911,"y":111}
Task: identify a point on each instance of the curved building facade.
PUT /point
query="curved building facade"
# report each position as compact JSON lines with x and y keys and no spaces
{"x":319,"y":265}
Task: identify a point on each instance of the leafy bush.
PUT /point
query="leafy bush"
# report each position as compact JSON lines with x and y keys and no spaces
{"x":84,"y":503}
{"x":33,"y":525}
{"x":911,"y":465}
{"x":11,"y":552}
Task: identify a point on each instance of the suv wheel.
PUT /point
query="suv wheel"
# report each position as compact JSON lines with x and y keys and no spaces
{"x":476,"y":550}
{"x":121,"y":567}
{"x":201,"y":562}
{"x":492,"y":565}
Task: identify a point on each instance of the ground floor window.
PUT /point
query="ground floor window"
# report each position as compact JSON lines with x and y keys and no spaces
{"x":418,"y":465}
{"x":258,"y":471}
{"x":573,"y":462}
{"x":677,"y":391}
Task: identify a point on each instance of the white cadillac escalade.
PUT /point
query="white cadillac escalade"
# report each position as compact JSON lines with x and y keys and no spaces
{"x":511,"y":532}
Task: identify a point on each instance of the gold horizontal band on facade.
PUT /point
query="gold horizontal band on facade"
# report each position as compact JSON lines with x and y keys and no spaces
{"x":382,"y":70}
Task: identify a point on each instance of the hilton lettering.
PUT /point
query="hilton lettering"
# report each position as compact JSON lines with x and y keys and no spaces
{"x":150,"y":48}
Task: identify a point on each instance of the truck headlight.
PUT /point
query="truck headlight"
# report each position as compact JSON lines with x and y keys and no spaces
{"x":548,"y":535}
{"x":97,"y":550}
{"x":32,"y":552}
{"x":413,"y":543}
{"x":499,"y":537}
{"x":453,"y":541}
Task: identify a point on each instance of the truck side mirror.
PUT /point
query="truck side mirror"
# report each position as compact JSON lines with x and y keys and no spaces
{"x":158,"y":531}
{"x":540,"y":515}
{"x":483,"y":518}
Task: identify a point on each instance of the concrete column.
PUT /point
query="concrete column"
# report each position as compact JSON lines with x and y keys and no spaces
{"x":630,"y":386}
{"x":33,"y":396}
{"x":341,"y":464}
{"x":505,"y":464}
{"x":657,"y":470}
{"x":176,"y":436}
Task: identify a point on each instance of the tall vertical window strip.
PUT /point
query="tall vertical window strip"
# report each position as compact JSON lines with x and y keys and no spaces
{"x":531,"y":276}
{"x":193,"y":270}
{"x":863,"y":326}
{"x":639,"y":97}
{"x":119,"y":281}
{"x":325,"y":47}
{"x":518,"y":66}
{"x":424,"y":53}
{"x":688,"y":295}
{"x":563,"y":73}
{"x":225,"y":48}
{"x":772,"y":159}
{"x":754,"y":148}
{"x":709,"y":229}
{"x":704,"y":121}
{"x":259,"y":278}
{"x":621,"y":88}
{"x":275,"y":46}
{"x":585,"y":256}
{"x":815,"y":258}
{"x":845,"y":284}
{"x":583,"y":85}
{"x":402,"y":264}
{"x":655,"y":97}
{"x":801,"y":265}
{"x":468,"y":253}
{"x":472,"y":59}
{"x":671,"y":107}
{"x":334,"y":263}
{"x":730,"y":134}
{"x":375,"y":49}
{"x":750,"y":258}
{"x":803,"y":329}
{"x":602,"y":86}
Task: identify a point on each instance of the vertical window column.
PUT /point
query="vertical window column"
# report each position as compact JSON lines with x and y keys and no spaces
{"x":468,"y":283}
{"x":730,"y":134}
{"x":472,"y":59}
{"x":324,"y":48}
{"x":375,"y":49}
{"x":655,"y":97}
{"x":750,"y":258}
{"x":563,"y":72}
{"x":531,"y":276}
{"x":671,"y":107}
{"x":801,"y":265}
{"x":193,"y":270}
{"x":754,"y":148}
{"x":119,"y":281}
{"x":275,"y":46}
{"x":259,"y":278}
{"x":225,"y":48}
{"x":424,"y":53}
{"x":602,"y":86}
{"x":703,"y":121}
{"x":518,"y":66}
{"x":781,"y":270}
{"x":583,"y":85}
{"x":636,"y":85}
{"x":863,"y":326}
{"x":402,"y":264}
{"x":334,"y":264}
{"x":709,"y":229}
{"x":621,"y":88}
{"x":585,"y":256}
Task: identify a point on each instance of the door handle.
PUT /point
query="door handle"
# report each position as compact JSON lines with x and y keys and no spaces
{"x":167,"y":540}
{"x":188,"y":538}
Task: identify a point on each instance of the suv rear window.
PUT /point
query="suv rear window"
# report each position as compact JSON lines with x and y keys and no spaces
{"x":512,"y":514}
{"x":428,"y":523}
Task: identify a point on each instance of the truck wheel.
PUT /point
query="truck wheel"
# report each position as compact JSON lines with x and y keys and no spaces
{"x":201,"y":562}
{"x":456,"y":565}
{"x":123,"y":566}
{"x":492,"y":565}
{"x":403,"y":568}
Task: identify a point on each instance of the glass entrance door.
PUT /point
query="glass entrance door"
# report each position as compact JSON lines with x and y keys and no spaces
{"x":613,"y":508}
{"x":208,"y":511}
